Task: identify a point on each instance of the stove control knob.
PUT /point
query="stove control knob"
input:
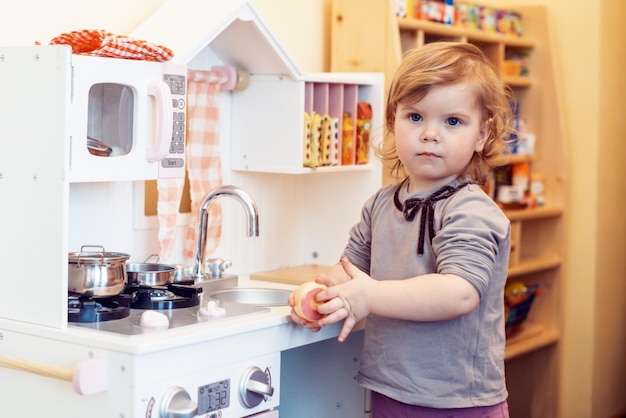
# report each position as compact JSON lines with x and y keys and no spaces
{"x":177,"y":403}
{"x":255,"y":387}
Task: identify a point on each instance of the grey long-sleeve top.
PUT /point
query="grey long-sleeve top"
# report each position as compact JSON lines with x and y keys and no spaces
{"x":455,"y":363}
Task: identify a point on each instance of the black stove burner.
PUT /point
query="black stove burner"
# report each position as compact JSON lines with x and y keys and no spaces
{"x":170,"y":296}
{"x":92,"y":309}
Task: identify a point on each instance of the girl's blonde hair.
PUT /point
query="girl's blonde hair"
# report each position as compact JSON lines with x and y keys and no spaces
{"x":447,"y":63}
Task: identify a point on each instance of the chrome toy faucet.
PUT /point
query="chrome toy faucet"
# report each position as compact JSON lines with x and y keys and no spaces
{"x":252,"y":218}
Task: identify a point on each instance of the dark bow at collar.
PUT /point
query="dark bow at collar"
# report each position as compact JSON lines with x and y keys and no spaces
{"x":426,"y":207}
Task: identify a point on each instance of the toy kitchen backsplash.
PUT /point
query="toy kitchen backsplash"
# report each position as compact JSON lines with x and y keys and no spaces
{"x":304,"y":212}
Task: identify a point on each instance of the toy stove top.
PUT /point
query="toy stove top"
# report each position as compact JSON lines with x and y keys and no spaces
{"x":134,"y":296}
{"x":169,"y":296}
{"x":123,"y":314}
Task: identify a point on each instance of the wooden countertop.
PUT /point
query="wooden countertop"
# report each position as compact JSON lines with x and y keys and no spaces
{"x":291,"y":275}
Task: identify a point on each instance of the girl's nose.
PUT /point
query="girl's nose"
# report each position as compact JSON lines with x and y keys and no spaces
{"x":429,"y":133}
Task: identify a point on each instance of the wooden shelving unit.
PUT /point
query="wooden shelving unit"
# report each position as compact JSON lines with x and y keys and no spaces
{"x":533,"y":337}
{"x":367,"y":36}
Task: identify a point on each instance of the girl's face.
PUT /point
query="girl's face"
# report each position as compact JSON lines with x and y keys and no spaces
{"x":437,"y":136}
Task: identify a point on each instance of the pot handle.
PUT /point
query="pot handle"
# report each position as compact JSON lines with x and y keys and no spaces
{"x":156,"y":256}
{"x":88,"y":376}
{"x":82,"y":247}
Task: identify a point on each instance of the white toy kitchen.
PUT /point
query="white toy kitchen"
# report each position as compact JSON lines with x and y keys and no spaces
{"x":74,"y":176}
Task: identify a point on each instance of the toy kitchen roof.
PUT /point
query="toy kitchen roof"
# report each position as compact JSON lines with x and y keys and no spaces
{"x":233,"y":30}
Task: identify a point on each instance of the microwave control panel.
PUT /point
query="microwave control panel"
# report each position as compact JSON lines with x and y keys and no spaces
{"x":173,"y":165}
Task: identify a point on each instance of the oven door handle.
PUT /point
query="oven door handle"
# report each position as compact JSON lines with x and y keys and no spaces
{"x":88,"y":376}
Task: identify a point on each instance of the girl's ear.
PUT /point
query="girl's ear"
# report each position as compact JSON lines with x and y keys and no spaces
{"x":483,"y":135}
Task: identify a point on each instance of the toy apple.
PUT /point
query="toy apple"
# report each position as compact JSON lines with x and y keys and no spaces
{"x":305,"y":304}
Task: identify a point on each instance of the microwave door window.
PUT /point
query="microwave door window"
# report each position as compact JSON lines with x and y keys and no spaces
{"x":125,"y":119}
{"x":110,"y":119}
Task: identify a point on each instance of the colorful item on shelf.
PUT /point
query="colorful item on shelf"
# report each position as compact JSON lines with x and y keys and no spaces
{"x":469,"y":15}
{"x":312,"y":146}
{"x":472,"y":16}
{"x":521,"y":175}
{"x":105,"y":44}
{"x":516,"y":23}
{"x":503,"y":22}
{"x":526,"y":140}
{"x":506,"y":195}
{"x":335,"y":150}
{"x":516,"y":63}
{"x":487,"y":19}
{"x":460,"y":14}
{"x":518,"y":299}
{"x":449,"y":13}
{"x":306,"y":141}
{"x":441,"y":11}
{"x":401,"y":7}
{"x":515,"y":186}
{"x":325,"y":140}
{"x":537,"y":189}
{"x":363,"y":128}
{"x":511,"y":68}
{"x":347,"y":140}
{"x":316,"y":140}
{"x":512,"y":140}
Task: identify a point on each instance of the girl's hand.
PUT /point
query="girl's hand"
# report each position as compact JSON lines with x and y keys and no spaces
{"x":348,"y":301}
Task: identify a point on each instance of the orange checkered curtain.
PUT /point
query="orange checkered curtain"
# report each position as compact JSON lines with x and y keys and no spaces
{"x":170,"y":191}
{"x":203,"y":153}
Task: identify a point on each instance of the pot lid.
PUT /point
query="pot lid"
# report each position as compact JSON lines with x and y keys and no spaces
{"x":97,"y":257}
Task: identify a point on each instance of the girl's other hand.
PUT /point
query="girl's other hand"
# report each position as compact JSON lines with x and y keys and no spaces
{"x":313,"y":326}
{"x":348,"y":301}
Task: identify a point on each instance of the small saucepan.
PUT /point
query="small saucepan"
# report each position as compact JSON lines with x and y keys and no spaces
{"x":150,"y":274}
{"x":96,"y":273}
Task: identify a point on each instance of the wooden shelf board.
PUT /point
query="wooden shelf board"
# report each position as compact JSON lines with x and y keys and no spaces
{"x":535,"y":264}
{"x":508,"y":159}
{"x":534,"y":213}
{"x":518,"y":81}
{"x":532,"y":337}
{"x":471,"y":34}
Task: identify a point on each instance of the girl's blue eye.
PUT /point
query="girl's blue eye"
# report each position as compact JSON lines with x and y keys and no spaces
{"x":415,"y":117}
{"x":453,"y":121}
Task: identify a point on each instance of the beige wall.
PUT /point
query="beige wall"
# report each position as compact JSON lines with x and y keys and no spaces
{"x":591,"y":58}
{"x":609,"y":357}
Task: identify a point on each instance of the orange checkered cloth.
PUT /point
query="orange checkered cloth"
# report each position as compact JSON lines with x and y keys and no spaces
{"x":204,"y":165}
{"x":105,"y":44}
{"x":170,"y":191}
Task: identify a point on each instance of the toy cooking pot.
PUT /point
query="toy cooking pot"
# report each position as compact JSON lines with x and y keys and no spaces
{"x":96,"y":273}
{"x":150,"y":274}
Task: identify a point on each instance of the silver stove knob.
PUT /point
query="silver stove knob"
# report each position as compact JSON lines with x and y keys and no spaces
{"x":255,"y":387}
{"x":177,"y":403}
